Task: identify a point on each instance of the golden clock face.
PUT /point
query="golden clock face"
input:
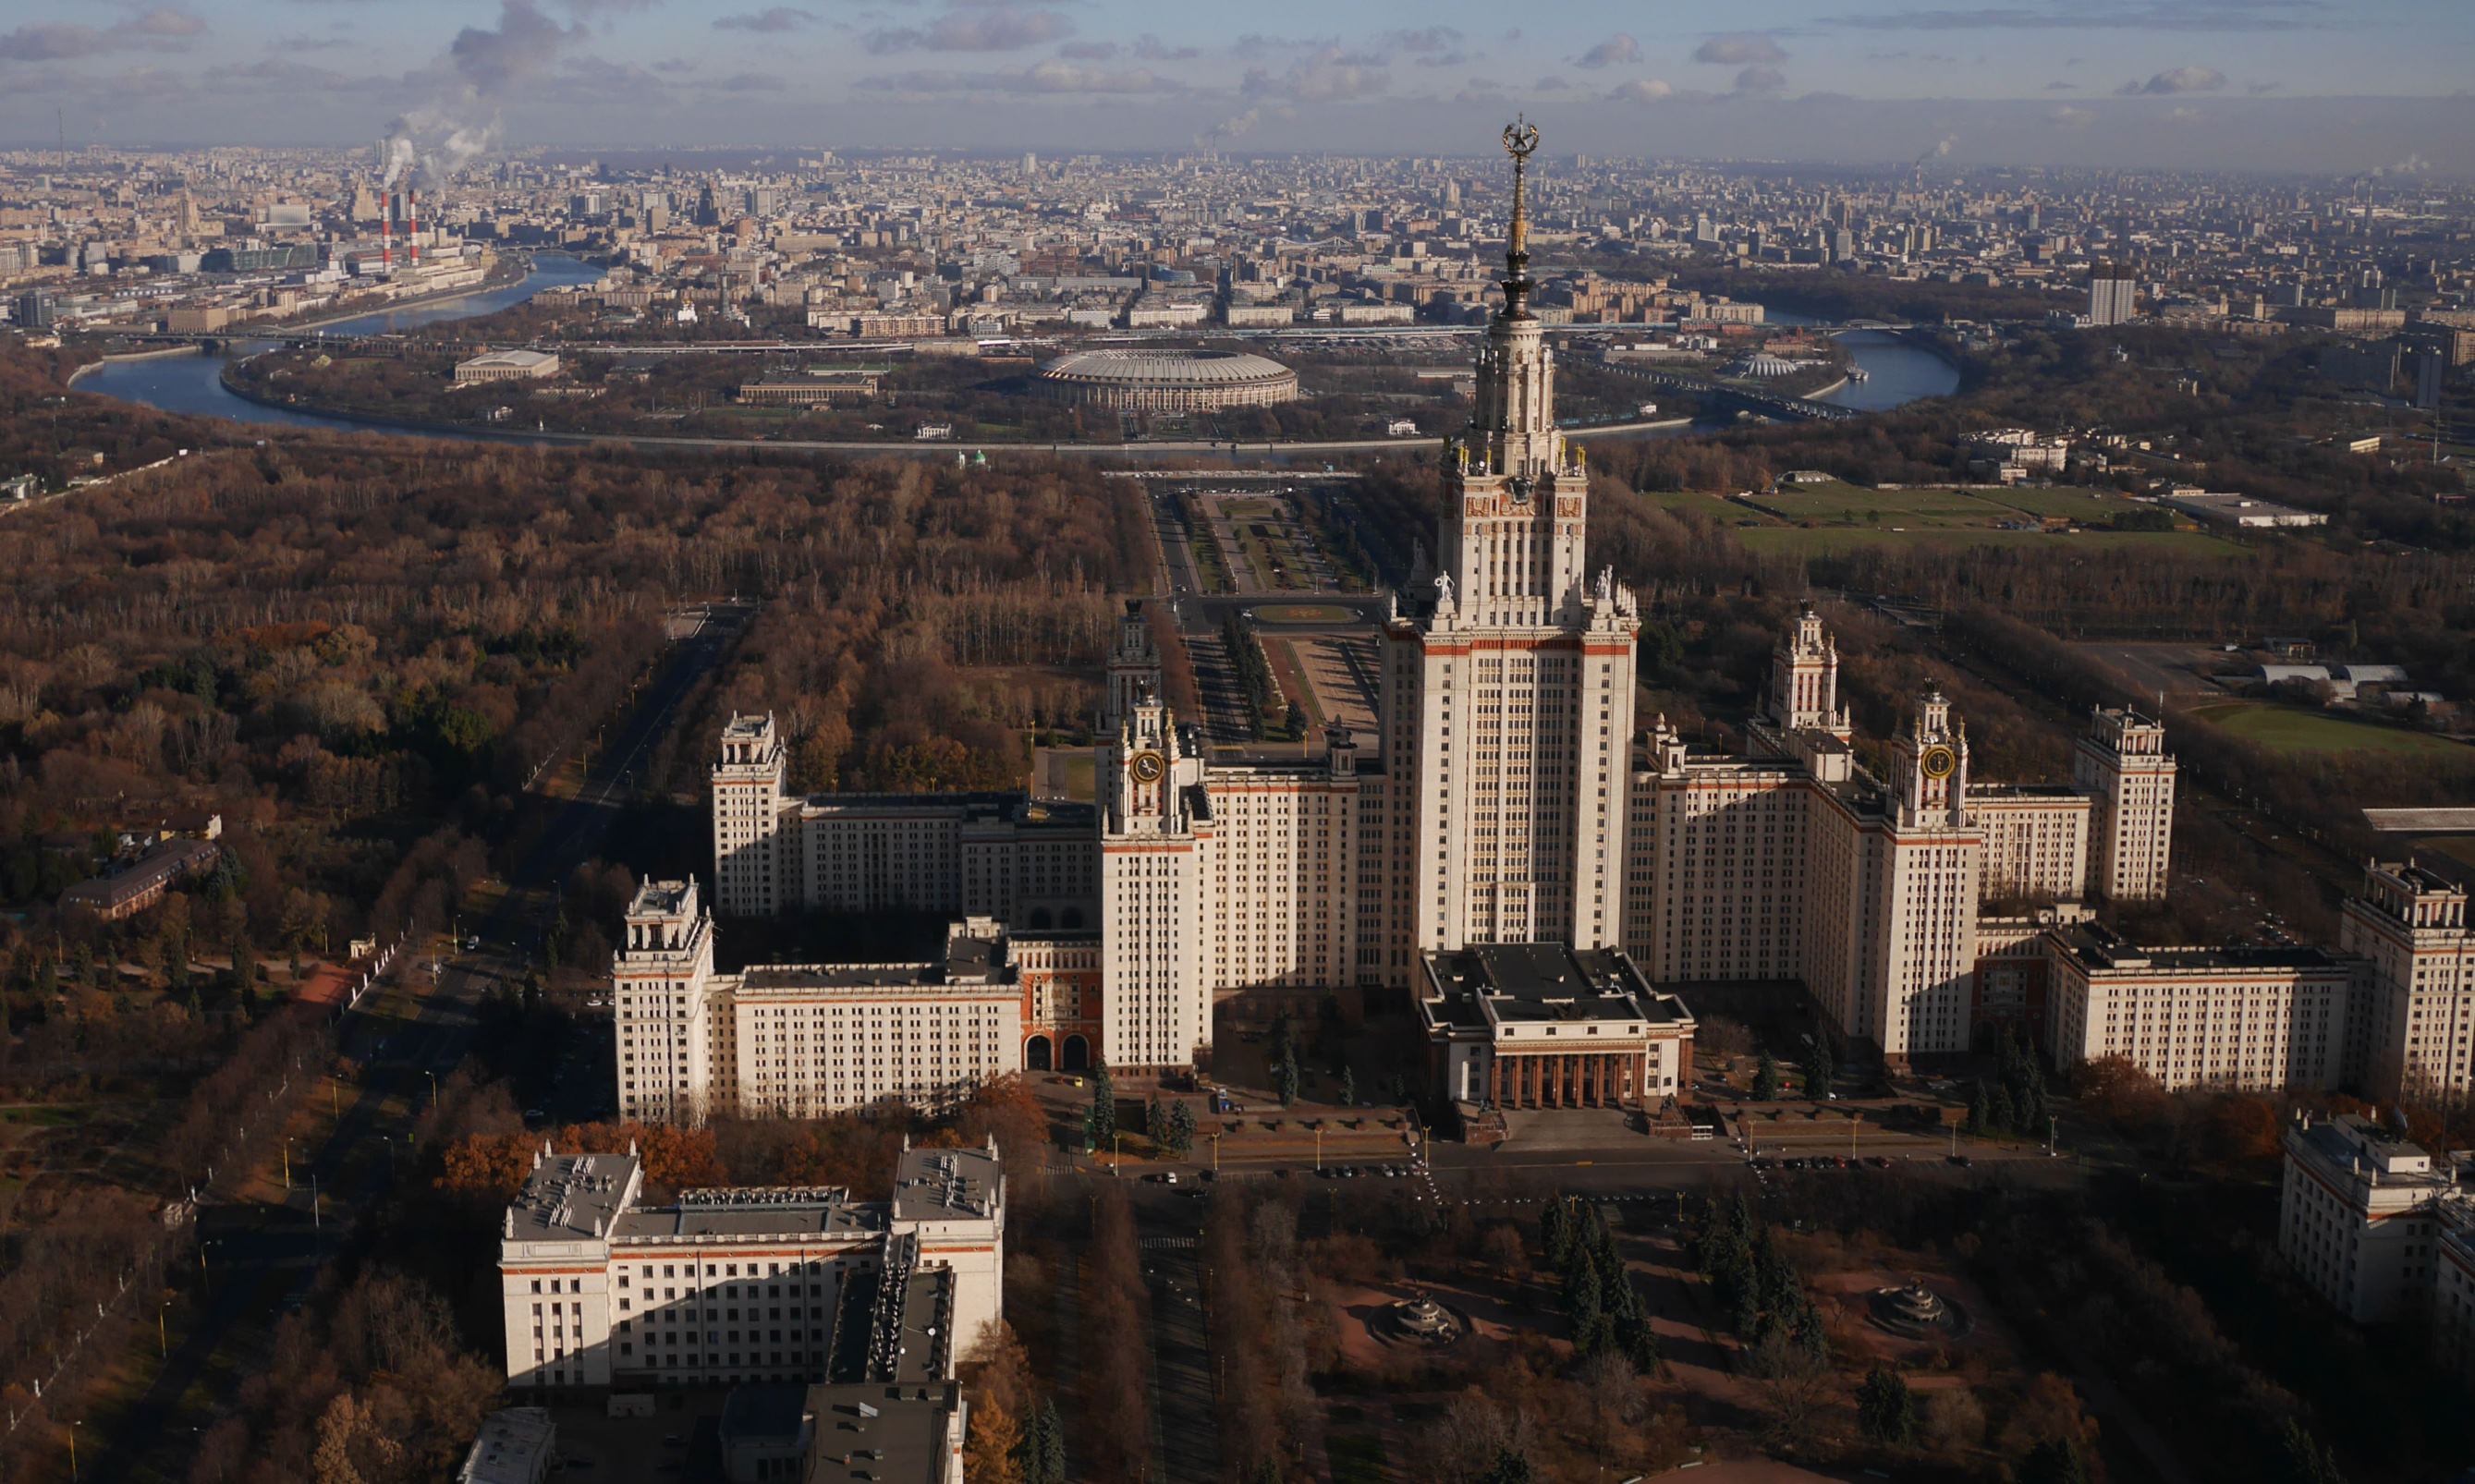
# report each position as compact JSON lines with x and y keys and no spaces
{"x":1148,"y":768}
{"x":1939,"y":763}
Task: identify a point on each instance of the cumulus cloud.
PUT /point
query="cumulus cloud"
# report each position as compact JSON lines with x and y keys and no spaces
{"x":2176,"y":80}
{"x":996,"y":27}
{"x":1151,"y":48}
{"x":2224,"y":16}
{"x":1642,"y":90}
{"x":1089,"y":51}
{"x":159,"y":30}
{"x":1761,"y":81}
{"x":1327,"y":77}
{"x":1618,"y":50}
{"x":1552,"y":83}
{"x":1736,"y":51}
{"x":1054,"y":76}
{"x":766,"y":22}
{"x":2070,"y":115}
{"x":527,"y":40}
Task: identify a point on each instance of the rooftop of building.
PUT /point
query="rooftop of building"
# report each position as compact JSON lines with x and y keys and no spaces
{"x":568,"y":1196}
{"x":2373,"y":1153}
{"x":1492,"y":984}
{"x":876,"y":1431}
{"x":2098,"y":947}
{"x":2055,"y":792}
{"x":755,"y":1212}
{"x":513,"y":1447}
{"x":1131,"y":367}
{"x":947,"y":1184}
{"x":662,"y":898}
{"x":1002,"y":807}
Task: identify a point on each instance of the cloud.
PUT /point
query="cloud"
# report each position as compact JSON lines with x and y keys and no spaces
{"x":1642,"y":90}
{"x":1425,"y":41}
{"x":1756,"y":82}
{"x":2062,"y":87}
{"x":1151,"y":48}
{"x":766,"y":22}
{"x":2176,"y":80}
{"x":2224,"y":16}
{"x":162,"y":23}
{"x":1089,"y":51}
{"x":1552,"y":83}
{"x":1618,"y":50}
{"x":156,"y":30}
{"x":745,"y":83}
{"x":1736,"y":51}
{"x":282,"y":72}
{"x":527,"y":40}
{"x":674,"y":65}
{"x":1052,"y":76}
{"x":2070,"y":115}
{"x":1327,"y":77}
{"x":996,"y":27}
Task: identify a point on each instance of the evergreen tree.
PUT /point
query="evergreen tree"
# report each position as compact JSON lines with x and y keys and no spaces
{"x":1884,"y":1407}
{"x":1101,"y":1124}
{"x":2055,"y":1461}
{"x":1048,"y":1465}
{"x":1977,"y":1109}
{"x":2304,"y":1460}
{"x":1820,"y":1071}
{"x":1999,"y":1116}
{"x":1284,"y":1083}
{"x":1511,"y":1466}
{"x":1348,"y":1087}
{"x":1766,"y":1085}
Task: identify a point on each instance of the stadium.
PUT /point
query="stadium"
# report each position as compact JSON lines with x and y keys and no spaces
{"x":1129,"y":380}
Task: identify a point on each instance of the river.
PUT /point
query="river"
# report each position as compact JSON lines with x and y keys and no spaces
{"x":194,"y":383}
{"x":1895,"y":372}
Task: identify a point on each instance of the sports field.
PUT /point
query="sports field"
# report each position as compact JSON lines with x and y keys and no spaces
{"x":2293,"y":729}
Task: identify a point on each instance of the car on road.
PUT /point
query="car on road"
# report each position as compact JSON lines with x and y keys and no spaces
{"x":1962,"y":1160}
{"x":1879,"y":1162}
{"x":1207,"y":1176}
{"x":1162,"y":1177}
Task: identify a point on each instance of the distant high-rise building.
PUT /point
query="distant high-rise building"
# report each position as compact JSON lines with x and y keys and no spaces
{"x":1030,"y":163}
{"x":36,"y":309}
{"x":2113,"y":296}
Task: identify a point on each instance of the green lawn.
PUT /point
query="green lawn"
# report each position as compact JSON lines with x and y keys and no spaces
{"x":2076,"y":505}
{"x":1355,"y":1458}
{"x":2293,"y":729}
{"x":1827,"y":540}
{"x":1847,"y":518}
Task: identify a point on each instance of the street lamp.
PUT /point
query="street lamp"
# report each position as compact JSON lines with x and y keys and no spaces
{"x":73,"y":1459}
{"x":163,"y":1332}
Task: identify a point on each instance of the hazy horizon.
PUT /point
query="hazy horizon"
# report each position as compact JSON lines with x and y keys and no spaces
{"x":2297,"y":85}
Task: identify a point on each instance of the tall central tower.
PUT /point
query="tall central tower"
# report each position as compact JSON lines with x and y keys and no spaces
{"x":1507,"y":691}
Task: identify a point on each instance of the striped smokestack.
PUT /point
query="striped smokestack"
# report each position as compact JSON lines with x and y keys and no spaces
{"x":412,"y":223}
{"x":386,"y":230}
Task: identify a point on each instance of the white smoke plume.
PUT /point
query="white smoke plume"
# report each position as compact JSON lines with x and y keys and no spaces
{"x":429,"y":145}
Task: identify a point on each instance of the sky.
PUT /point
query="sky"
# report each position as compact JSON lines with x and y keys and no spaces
{"x":2321,"y":86}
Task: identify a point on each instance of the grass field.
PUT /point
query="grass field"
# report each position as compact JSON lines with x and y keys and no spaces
{"x":1827,"y":540}
{"x":2290,"y":729}
{"x":1822,"y":519}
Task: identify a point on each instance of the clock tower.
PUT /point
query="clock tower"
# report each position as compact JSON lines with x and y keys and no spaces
{"x":1929,"y":767}
{"x":1155,"y":829}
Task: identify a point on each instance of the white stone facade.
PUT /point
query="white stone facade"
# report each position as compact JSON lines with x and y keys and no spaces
{"x":600,"y":1288}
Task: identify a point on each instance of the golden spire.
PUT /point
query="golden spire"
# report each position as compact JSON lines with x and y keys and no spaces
{"x":1520,"y":141}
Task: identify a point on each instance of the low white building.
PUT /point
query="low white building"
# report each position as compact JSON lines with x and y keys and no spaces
{"x":516,"y":1445}
{"x":2363,"y":1218}
{"x":2263,"y":1020}
{"x":1540,"y":1025}
{"x":2240,"y":510}
{"x":506,"y":366}
{"x":724,"y":1288}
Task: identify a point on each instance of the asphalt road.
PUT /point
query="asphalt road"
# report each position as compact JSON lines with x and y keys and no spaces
{"x":261,"y":1260}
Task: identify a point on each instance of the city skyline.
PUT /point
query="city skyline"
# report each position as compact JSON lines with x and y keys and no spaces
{"x":2297,"y":85}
